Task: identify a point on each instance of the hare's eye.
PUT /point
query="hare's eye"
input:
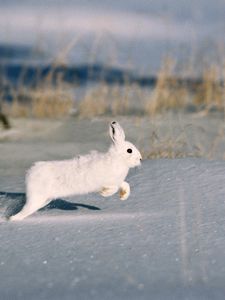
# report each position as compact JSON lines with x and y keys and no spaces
{"x":129,"y":150}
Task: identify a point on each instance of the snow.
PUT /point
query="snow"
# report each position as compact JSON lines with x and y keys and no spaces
{"x":165,"y":242}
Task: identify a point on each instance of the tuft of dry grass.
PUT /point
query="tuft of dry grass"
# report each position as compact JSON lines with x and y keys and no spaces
{"x":45,"y":102}
{"x":167,"y":93}
{"x":211,"y":92}
{"x":121,"y":100}
{"x":170,"y":147}
{"x":94,"y":103}
{"x":183,"y":139}
{"x":104,"y":99}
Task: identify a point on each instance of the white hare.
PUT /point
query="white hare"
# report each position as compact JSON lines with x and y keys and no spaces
{"x":94,"y":172}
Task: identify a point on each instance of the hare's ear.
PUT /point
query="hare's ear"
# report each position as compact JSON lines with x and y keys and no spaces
{"x":116,"y":132}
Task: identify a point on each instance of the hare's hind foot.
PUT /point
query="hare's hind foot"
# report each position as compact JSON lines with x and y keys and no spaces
{"x":17,"y":217}
{"x":28,"y":209}
{"x":108,"y":191}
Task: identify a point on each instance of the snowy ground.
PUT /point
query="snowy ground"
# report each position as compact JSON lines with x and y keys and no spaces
{"x":165,"y":242}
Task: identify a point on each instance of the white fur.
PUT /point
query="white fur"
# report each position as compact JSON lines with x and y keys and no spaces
{"x":94,"y":172}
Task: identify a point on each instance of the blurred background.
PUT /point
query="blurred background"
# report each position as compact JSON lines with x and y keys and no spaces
{"x":128,"y":34}
{"x":158,"y":62}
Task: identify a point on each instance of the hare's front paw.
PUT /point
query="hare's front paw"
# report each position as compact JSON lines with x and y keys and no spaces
{"x":108,"y":191}
{"x":124,"y":191}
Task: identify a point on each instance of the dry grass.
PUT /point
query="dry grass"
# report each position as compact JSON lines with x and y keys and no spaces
{"x":104,"y":100}
{"x":120,"y":102}
{"x":94,"y":102}
{"x":168,"y":146}
{"x":211,"y":92}
{"x":45,"y":102}
{"x":167,"y":93}
{"x":48,"y":101}
{"x":197,"y":142}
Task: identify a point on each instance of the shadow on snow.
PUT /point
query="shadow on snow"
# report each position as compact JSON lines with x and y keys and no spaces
{"x":19,"y":199}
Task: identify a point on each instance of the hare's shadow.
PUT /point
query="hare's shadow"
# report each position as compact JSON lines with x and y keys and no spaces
{"x":18,"y":200}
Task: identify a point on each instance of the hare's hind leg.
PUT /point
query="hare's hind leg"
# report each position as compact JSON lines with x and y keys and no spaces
{"x":29,"y":208}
